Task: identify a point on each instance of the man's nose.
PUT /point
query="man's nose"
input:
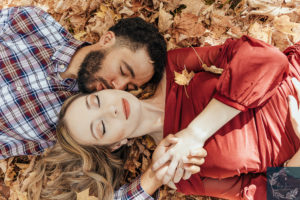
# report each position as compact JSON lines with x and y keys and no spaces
{"x":119,"y":84}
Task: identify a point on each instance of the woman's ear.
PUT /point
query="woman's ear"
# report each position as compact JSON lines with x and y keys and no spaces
{"x":108,"y":39}
{"x":118,"y":145}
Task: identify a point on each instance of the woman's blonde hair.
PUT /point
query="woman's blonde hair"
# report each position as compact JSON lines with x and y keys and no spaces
{"x":70,"y":167}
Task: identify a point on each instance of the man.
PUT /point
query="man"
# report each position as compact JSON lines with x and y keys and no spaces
{"x":40,"y":62}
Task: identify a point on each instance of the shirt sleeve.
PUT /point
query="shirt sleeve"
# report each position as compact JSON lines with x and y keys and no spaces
{"x":134,"y":191}
{"x":252,"y":72}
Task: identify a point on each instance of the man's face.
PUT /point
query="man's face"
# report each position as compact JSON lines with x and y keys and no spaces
{"x":117,"y":68}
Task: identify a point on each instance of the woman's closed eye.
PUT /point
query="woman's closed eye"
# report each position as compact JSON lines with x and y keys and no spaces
{"x":94,"y":101}
{"x":98,"y":129}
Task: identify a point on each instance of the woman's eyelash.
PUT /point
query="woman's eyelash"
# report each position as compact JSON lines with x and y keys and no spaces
{"x":103,"y":126}
{"x":98,"y":100}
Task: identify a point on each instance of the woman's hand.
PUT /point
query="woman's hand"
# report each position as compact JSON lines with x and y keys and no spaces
{"x":186,"y":153}
{"x":294,"y":108}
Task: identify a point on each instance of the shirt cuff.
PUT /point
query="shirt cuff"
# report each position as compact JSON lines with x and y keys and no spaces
{"x":134,"y":191}
{"x":229,"y":102}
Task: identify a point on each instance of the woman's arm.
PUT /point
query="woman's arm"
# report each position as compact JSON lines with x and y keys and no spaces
{"x":295,"y":119}
{"x":252,"y":73}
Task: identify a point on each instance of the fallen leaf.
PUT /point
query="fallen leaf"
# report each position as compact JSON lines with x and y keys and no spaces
{"x":187,"y":25}
{"x":165,"y":20}
{"x":184,"y":77}
{"x":84,"y":195}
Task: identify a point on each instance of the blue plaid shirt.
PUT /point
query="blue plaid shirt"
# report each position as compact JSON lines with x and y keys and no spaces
{"x":34,"y":48}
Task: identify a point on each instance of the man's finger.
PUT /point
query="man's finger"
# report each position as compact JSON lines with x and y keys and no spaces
{"x":172,"y":167}
{"x":169,"y":140}
{"x":160,"y":162}
{"x":178,"y":174}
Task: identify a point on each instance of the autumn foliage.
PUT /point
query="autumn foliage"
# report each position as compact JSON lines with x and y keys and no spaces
{"x":183,"y":23}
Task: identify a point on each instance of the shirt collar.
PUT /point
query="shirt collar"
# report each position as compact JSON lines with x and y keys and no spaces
{"x":65,"y":52}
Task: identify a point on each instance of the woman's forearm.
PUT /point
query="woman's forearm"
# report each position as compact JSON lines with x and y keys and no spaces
{"x":215,"y":115}
{"x":295,"y":160}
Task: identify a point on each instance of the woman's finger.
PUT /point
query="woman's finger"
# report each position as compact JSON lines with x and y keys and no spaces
{"x":186,"y":175}
{"x":199,"y":152}
{"x":193,"y":169}
{"x":193,"y":160}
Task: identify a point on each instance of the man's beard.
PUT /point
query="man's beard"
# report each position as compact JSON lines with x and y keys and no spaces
{"x":91,"y":65}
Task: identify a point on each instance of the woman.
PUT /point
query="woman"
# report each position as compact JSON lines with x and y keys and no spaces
{"x":250,"y":94}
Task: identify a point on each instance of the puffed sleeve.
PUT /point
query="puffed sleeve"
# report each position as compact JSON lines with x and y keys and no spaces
{"x":191,"y":58}
{"x":252,"y":72}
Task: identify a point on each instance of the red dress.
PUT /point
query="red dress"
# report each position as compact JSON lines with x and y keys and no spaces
{"x":256,"y":80}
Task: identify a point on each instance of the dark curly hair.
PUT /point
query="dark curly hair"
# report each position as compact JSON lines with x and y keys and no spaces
{"x":136,"y":33}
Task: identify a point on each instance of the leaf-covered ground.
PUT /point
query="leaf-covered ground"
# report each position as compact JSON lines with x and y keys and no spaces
{"x":183,"y":23}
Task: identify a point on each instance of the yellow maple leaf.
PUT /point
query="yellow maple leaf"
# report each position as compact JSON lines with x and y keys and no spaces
{"x":184,"y":77}
{"x":80,"y":34}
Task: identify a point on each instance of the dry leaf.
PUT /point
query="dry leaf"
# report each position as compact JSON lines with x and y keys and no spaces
{"x":213,"y":69}
{"x":284,"y":25}
{"x":84,"y":195}
{"x":184,"y":77}
{"x":165,"y":19}
{"x":261,"y":32}
{"x":187,"y":25}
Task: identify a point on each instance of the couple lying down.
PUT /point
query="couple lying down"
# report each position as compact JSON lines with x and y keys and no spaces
{"x":240,"y":117}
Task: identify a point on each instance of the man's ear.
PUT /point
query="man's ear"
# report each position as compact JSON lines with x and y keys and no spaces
{"x":117,"y":145}
{"x":108,"y":39}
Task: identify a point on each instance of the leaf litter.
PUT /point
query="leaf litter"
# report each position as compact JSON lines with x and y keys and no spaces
{"x":183,"y":23}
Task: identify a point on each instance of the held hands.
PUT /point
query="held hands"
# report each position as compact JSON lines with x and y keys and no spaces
{"x":294,"y":108}
{"x":181,"y":152}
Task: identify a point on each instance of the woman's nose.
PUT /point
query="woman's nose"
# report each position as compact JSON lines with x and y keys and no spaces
{"x":112,"y":111}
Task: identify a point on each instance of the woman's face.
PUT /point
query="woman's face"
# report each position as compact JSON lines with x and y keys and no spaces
{"x":103,"y":117}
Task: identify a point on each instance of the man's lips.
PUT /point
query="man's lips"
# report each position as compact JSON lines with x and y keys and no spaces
{"x":126,"y":108}
{"x":100,"y":86}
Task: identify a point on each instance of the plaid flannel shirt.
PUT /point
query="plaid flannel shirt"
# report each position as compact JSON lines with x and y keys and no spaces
{"x":34,"y":48}
{"x":134,"y":191}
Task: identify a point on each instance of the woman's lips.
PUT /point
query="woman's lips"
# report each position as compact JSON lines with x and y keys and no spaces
{"x":126,"y":108}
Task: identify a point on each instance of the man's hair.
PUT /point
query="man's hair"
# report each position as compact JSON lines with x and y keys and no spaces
{"x":135,"y":33}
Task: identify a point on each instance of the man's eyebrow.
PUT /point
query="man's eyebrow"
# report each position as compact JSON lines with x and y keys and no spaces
{"x":129,"y":68}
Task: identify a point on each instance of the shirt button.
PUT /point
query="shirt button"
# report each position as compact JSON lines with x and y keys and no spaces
{"x":48,"y":78}
{"x":19,"y":88}
{"x":61,"y":66}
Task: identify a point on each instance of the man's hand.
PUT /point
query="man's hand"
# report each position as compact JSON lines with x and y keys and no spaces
{"x":294,"y":108}
{"x":178,"y":155}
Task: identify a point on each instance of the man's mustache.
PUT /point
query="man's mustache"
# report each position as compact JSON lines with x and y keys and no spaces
{"x":105,"y":83}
